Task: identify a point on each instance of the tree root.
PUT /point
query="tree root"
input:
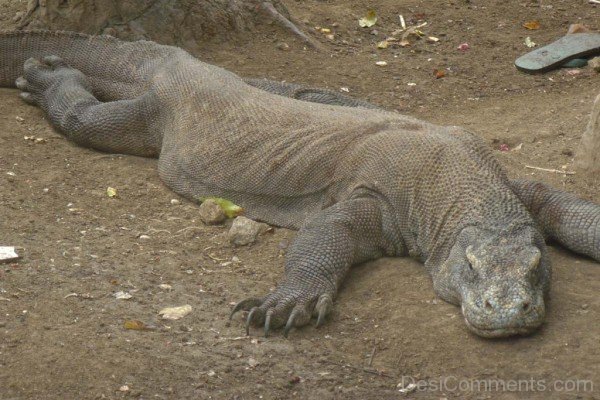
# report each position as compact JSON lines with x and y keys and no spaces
{"x":289,"y":25}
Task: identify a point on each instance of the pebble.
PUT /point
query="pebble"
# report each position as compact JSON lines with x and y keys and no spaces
{"x":244,"y":231}
{"x":175,"y":202}
{"x":211,"y":213}
{"x":595,"y":64}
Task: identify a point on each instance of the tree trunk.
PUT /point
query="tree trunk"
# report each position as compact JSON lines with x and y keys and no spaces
{"x":184,"y":23}
{"x":587,"y":158}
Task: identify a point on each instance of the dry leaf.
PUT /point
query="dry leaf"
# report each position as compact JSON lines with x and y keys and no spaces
{"x":439,"y":73}
{"x":136,"y":325}
{"x":532,"y":25}
{"x":121,"y":295}
{"x":175,"y":312}
{"x":529,"y":43}
{"x":111,"y":192}
{"x":368,"y":20}
{"x":383,"y":44}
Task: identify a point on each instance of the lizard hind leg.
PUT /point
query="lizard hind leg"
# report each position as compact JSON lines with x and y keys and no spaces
{"x":127,"y":126}
{"x":39,"y":77}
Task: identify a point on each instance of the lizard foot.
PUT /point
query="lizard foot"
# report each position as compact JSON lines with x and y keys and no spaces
{"x":40,"y":76}
{"x":288,"y":305}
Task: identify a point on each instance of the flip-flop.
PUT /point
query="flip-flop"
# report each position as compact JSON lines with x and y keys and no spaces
{"x":568,"y":47}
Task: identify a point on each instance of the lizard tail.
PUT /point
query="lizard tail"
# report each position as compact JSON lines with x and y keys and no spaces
{"x":102,"y":58}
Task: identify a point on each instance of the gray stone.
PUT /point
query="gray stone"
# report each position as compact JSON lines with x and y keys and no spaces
{"x":211,"y":213}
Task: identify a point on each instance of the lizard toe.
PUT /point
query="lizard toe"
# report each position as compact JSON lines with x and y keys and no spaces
{"x":55,"y":62}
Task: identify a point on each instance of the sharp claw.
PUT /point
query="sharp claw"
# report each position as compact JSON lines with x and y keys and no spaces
{"x":245,"y":305}
{"x":31,"y":62}
{"x":290,"y":323}
{"x":21,"y":83}
{"x":54,"y":61}
{"x":268,"y":323}
{"x":249,"y":319}
{"x":26,"y":97}
{"x":323,"y":307}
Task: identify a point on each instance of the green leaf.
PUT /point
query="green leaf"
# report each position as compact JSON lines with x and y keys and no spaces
{"x":231,"y":210}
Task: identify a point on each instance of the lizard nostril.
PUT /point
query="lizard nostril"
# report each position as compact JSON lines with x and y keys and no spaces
{"x":526,"y":306}
{"x":488,"y":305}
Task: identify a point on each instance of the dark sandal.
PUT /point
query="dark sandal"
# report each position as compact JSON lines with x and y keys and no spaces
{"x":568,"y":47}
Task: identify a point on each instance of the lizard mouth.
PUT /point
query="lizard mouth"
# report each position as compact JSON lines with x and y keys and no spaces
{"x":500,"y":332}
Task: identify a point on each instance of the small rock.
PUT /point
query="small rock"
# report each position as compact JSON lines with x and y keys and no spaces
{"x":283,"y":46}
{"x":595,"y":64}
{"x":244,"y":231}
{"x":567,"y":152}
{"x":124,"y":388}
{"x":211,"y":213}
{"x":252,"y":362}
{"x":144,"y":237}
{"x":121,"y":295}
{"x":175,"y":202}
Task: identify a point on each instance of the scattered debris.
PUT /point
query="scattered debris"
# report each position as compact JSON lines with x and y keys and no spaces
{"x":111,"y":192}
{"x":252,"y":362}
{"x":529,"y":43}
{"x":175,"y":202}
{"x":411,"y":387}
{"x":555,"y":171}
{"x":86,"y":296}
{"x":34,"y":139}
{"x":402,"y":22}
{"x":503,"y":147}
{"x":174,"y":313}
{"x":381,"y":63}
{"x":463,"y":47}
{"x":368,"y":20}
{"x":137,"y":325}
{"x":573,"y":72}
{"x":8,"y":254}
{"x":121,"y":295}
{"x":144,"y":237}
{"x":124,"y":388}
{"x":165,"y":286}
{"x":244,"y":231}
{"x":439,"y":73}
{"x":532,"y":25}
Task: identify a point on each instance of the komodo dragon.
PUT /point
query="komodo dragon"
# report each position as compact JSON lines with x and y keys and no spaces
{"x":359,"y":183}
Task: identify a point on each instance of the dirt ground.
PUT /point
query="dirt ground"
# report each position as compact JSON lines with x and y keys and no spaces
{"x":61,"y":328}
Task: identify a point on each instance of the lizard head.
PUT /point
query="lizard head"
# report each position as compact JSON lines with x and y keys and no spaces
{"x":499,"y":279}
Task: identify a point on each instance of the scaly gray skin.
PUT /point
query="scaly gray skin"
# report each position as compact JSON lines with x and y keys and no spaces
{"x":358,"y":183}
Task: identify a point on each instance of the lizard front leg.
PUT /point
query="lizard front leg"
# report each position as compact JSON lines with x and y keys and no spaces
{"x":562,"y":216}
{"x":122,"y":126}
{"x":350,"y":232}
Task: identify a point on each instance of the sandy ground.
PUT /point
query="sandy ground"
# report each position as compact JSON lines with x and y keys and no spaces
{"x":61,"y":328}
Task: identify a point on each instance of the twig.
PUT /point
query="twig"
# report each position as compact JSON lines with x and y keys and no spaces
{"x":555,"y":171}
{"x":364,"y":369}
{"x":371,"y":356}
{"x":287,"y":24}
